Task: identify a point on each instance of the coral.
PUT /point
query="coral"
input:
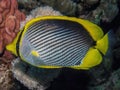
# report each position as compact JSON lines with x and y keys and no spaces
{"x":93,"y":10}
{"x":10,"y":18}
{"x":40,"y":11}
{"x":45,"y":11}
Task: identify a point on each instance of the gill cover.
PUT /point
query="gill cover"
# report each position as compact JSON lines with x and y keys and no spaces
{"x":60,"y":41}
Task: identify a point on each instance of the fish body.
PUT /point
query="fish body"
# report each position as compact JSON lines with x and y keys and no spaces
{"x":60,"y":41}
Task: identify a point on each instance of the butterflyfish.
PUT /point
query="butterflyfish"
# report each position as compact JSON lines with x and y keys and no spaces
{"x":60,"y":41}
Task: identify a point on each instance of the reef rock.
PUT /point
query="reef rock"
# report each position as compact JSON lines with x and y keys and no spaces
{"x":33,"y":77}
{"x":10,"y":18}
{"x":6,"y":81}
{"x":93,"y":10}
{"x":91,"y":2}
{"x":28,"y":5}
{"x":113,"y":82}
{"x":64,"y":6}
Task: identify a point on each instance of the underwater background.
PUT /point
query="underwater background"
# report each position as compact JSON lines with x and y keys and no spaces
{"x":18,"y":75}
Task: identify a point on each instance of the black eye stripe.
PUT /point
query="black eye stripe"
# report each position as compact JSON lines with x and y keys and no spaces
{"x":18,"y":42}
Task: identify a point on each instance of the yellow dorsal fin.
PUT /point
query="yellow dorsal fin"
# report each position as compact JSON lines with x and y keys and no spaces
{"x":94,"y":30}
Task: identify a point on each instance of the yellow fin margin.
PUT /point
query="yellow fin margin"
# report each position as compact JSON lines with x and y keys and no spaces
{"x":91,"y":59}
{"x":94,"y":30}
{"x":93,"y":56}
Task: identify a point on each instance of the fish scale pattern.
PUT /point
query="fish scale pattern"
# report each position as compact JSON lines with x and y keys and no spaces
{"x":58,"y":42}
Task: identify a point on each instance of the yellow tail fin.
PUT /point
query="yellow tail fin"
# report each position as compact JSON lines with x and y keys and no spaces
{"x":103,"y":44}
